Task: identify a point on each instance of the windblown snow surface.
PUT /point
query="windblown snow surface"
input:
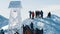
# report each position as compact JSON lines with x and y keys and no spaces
{"x":49,"y":25}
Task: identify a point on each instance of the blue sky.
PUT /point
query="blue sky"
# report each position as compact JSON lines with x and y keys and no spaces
{"x":45,"y":5}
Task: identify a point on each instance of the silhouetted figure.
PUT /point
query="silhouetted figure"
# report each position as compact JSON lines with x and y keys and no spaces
{"x":30,"y":13}
{"x":32,"y":29}
{"x":41,"y":14}
{"x":31,"y":25}
{"x":24,"y":29}
{"x":37,"y":14}
{"x":2,"y":32}
{"x":49,"y":15}
{"x":41,"y":31}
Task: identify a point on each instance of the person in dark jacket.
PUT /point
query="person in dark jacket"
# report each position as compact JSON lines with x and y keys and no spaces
{"x":31,"y":25}
{"x":32,"y":29}
{"x":37,"y":14}
{"x":30,"y":13}
{"x":49,"y":14}
{"x":41,"y":31}
{"x":41,"y":14}
{"x":24,"y":29}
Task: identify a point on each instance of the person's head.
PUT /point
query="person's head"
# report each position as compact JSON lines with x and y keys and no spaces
{"x":41,"y":11}
{"x":29,"y":11}
{"x":49,"y":12}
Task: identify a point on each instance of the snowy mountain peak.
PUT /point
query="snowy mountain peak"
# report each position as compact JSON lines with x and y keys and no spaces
{"x":50,"y":25}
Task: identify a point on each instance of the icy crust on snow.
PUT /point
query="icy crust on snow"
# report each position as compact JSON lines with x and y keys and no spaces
{"x":49,"y":25}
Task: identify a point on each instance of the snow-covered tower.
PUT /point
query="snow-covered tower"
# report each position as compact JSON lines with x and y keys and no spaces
{"x":15,"y":16}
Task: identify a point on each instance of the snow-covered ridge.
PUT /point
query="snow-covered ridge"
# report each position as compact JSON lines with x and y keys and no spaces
{"x":50,"y":25}
{"x":3,"y":21}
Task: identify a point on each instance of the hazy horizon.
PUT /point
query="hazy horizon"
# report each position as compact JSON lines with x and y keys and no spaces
{"x":52,"y":6}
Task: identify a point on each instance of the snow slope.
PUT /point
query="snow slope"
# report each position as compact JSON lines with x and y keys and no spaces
{"x":3,"y":21}
{"x":50,"y":25}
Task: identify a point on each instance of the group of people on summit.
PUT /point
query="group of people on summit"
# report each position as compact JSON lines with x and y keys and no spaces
{"x":38,"y":14}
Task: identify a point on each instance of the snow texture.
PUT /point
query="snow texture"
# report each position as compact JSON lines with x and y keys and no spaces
{"x":49,"y":25}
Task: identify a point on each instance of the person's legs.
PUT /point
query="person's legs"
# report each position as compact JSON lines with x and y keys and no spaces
{"x":36,"y":14}
{"x":41,"y":15}
{"x":30,"y":15}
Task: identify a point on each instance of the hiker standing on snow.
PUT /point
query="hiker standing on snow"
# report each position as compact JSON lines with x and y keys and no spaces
{"x":49,"y":14}
{"x":41,"y":14}
{"x":37,"y":13}
{"x":32,"y":15}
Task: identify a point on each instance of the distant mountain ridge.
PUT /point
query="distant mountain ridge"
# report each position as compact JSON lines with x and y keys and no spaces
{"x":3,"y":21}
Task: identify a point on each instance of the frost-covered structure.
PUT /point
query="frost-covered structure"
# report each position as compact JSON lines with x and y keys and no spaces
{"x":49,"y":25}
{"x":15,"y":17}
